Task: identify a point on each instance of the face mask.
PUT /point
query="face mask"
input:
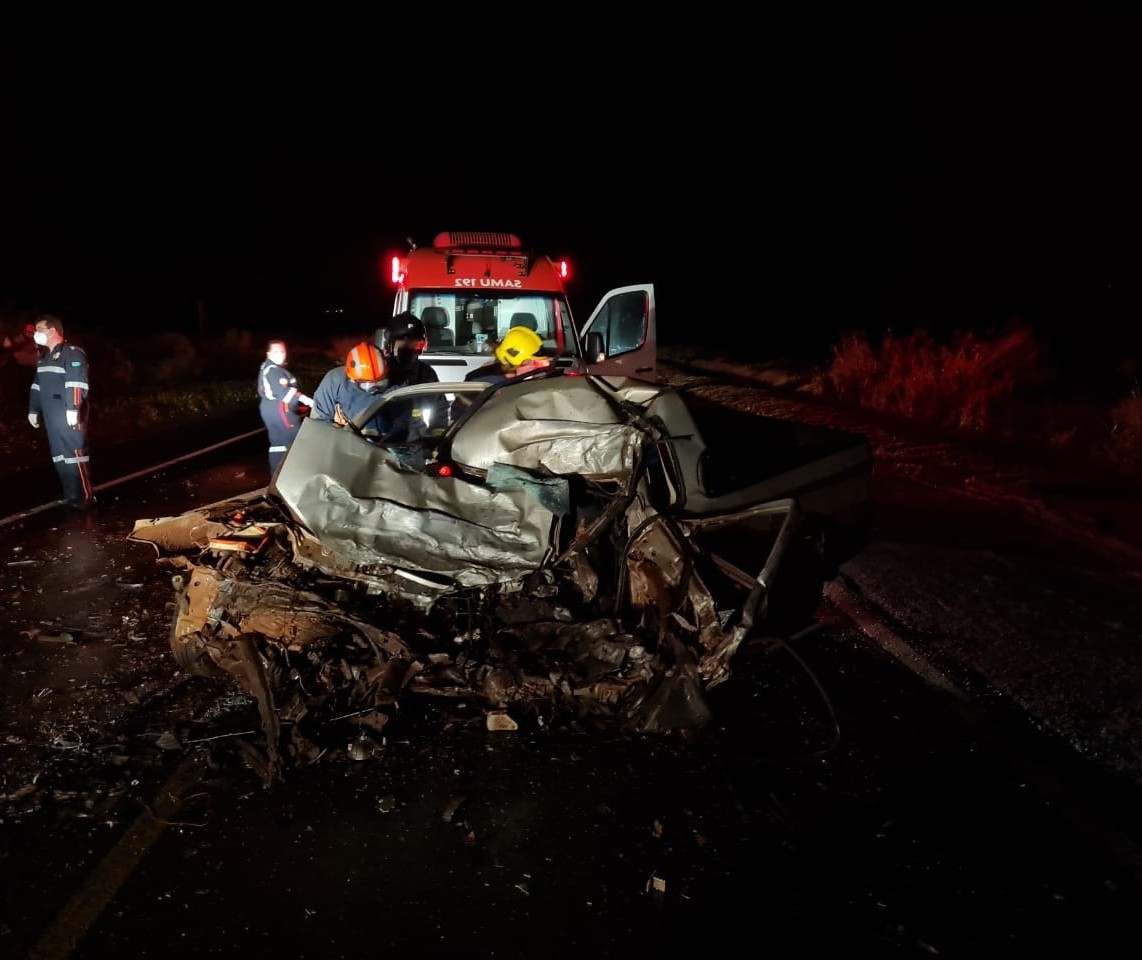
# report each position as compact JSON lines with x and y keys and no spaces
{"x":41,"y":338}
{"x":405,"y":358}
{"x":372,"y":386}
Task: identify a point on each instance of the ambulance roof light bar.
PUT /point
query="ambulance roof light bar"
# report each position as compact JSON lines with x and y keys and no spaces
{"x":469,"y":241}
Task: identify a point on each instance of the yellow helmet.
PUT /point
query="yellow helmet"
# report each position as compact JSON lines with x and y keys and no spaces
{"x":518,"y":345}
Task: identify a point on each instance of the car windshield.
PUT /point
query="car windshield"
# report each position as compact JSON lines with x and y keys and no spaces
{"x":471,"y":323}
{"x":423,"y":411}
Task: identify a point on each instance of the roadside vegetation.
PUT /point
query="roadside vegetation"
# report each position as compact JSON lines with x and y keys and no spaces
{"x":1005,"y":387}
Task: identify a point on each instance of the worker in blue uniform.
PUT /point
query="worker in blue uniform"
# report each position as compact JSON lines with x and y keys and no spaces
{"x":58,"y":397}
{"x":347,"y":390}
{"x":402,"y":341}
{"x":278,"y":402}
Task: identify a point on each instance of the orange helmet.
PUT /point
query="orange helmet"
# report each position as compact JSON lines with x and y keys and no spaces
{"x":364,"y":363}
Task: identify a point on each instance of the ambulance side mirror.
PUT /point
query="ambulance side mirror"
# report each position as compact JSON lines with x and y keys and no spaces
{"x":594,"y":350}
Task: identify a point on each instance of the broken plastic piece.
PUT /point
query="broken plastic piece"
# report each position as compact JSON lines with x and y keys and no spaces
{"x":499,"y":720}
{"x":249,"y":539}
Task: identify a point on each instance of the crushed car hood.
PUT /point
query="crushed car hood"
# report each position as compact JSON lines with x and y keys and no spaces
{"x":367,"y":508}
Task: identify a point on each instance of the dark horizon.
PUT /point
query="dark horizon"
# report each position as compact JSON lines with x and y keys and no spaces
{"x":952,"y":177}
{"x":735,"y":275}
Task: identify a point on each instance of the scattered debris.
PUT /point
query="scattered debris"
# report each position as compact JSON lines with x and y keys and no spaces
{"x":453,"y":807}
{"x":363,"y":748}
{"x":55,"y":638}
{"x":498,"y":720}
{"x":168,"y":741}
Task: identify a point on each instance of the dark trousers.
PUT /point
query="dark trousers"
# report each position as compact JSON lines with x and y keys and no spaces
{"x":68,"y":446}
{"x":281,"y":425}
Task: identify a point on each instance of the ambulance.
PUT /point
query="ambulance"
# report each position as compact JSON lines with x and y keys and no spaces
{"x":470,"y":288}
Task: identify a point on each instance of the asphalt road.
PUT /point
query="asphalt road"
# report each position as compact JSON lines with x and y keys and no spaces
{"x":841,"y":800}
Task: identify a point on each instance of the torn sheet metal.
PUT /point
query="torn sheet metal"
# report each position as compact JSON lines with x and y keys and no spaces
{"x":475,"y":535}
{"x":185,"y":532}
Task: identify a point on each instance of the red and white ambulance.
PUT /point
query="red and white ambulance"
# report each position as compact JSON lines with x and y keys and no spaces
{"x":470,"y":288}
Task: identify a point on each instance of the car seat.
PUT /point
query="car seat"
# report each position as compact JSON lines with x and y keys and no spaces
{"x":435,"y":321}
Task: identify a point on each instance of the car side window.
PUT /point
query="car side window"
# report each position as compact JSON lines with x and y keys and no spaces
{"x":622,"y":322}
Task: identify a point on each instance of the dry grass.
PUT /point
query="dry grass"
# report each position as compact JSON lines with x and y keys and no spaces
{"x":964,"y":385}
{"x":1001,"y":386}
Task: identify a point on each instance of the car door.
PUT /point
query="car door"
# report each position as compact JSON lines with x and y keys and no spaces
{"x":625,"y":319}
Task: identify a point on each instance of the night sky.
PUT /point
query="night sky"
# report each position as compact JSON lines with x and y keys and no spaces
{"x":951,"y":175}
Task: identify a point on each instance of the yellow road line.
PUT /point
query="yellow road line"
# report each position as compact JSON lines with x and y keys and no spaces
{"x":101,"y":885}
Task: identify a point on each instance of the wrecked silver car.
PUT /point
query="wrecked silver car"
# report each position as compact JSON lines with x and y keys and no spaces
{"x":564,"y":547}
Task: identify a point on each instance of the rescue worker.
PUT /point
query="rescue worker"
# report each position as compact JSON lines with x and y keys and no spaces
{"x":515,"y":356}
{"x":278,"y":399}
{"x":59,"y":396}
{"x":348,"y":389}
{"x":402,"y":340}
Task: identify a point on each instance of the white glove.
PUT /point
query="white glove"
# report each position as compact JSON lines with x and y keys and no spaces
{"x":72,"y":418}
{"x":303,"y":399}
{"x":34,"y":420}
